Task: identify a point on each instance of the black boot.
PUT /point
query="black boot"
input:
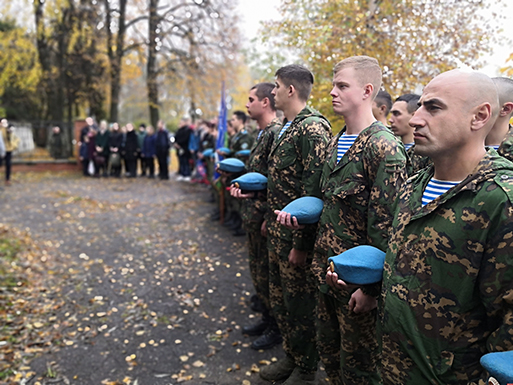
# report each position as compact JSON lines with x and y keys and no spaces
{"x":268,"y":340}
{"x":256,"y":329}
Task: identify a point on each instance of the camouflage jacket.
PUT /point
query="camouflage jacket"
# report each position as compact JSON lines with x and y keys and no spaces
{"x":416,"y":162}
{"x":240,"y":141}
{"x":506,"y":147}
{"x":295,"y":166}
{"x":253,"y":210}
{"x":447,"y":293}
{"x":357,"y":193}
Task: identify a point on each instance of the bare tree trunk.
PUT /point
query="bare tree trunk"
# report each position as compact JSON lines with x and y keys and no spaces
{"x":115,"y":57}
{"x":151,"y":80}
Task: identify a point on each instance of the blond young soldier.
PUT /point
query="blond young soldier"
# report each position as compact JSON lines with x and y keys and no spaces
{"x":365,"y":166}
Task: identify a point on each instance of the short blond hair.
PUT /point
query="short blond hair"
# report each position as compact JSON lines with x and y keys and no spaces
{"x":366,"y":68}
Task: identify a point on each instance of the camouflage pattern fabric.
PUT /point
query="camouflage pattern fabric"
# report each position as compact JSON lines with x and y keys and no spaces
{"x":253,"y":212}
{"x":295,"y":166}
{"x":240,"y":141}
{"x":357,"y":193}
{"x":416,"y":162}
{"x":447,"y":293}
{"x":506,"y":147}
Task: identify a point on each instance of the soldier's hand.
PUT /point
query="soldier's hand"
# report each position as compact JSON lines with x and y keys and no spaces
{"x":287,"y":220}
{"x":263,"y":229}
{"x":333,"y":281}
{"x":297,"y":257}
{"x":361,"y":302}
{"x":237,"y":193}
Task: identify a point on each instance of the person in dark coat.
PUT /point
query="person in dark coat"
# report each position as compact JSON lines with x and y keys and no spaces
{"x":148,"y":152}
{"x":162,"y":150}
{"x":101,"y":155}
{"x":115,"y":141}
{"x":182,"y":138}
{"x":130,"y":151}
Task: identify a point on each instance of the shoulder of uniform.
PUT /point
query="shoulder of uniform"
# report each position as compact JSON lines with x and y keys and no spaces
{"x":504,"y":179}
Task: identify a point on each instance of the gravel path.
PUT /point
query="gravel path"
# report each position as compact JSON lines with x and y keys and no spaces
{"x":158,"y":293}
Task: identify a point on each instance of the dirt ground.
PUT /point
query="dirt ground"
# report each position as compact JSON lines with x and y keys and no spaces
{"x":155,"y":293}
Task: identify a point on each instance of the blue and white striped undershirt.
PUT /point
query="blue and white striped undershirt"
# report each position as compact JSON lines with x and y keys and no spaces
{"x":344,"y":143}
{"x":435,"y":188}
{"x":407,"y":146}
{"x":287,"y":125}
{"x":259,"y":134}
{"x":495,"y":146}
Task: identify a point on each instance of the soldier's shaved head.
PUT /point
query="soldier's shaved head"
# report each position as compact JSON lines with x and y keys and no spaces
{"x":472,"y":89}
{"x":504,"y":89}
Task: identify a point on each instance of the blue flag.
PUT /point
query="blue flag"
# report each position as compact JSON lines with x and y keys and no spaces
{"x":222,"y":127}
{"x":222,"y":124}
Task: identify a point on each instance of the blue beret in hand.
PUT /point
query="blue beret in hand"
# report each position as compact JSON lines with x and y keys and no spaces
{"x":208,"y":152}
{"x":361,"y":265}
{"x":252,"y":181}
{"x":499,"y":365}
{"x":243,"y":153}
{"x":307,"y":210}
{"x":224,"y":150}
{"x":232,"y":165}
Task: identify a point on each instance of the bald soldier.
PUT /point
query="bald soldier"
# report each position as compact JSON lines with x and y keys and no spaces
{"x":501,"y":135}
{"x":447,"y":291}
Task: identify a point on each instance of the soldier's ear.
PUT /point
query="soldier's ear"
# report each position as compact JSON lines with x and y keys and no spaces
{"x":506,"y":109}
{"x":292,"y":90}
{"x":482,"y":115}
{"x":265,"y":102}
{"x":368,"y":89}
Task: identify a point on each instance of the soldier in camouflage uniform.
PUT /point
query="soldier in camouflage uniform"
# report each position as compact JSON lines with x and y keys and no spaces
{"x":402,"y":111}
{"x":358,"y":186}
{"x":295,"y":166}
{"x":447,"y":293}
{"x":239,"y":140}
{"x":254,"y":211}
{"x":501,"y":135}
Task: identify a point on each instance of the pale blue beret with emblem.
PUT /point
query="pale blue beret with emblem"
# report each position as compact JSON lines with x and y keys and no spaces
{"x":360,"y":265}
{"x":243,"y":153}
{"x":252,"y":181}
{"x":232,"y":165}
{"x":307,"y":210}
{"x":224,"y":150}
{"x":208,"y":152}
{"x":499,"y":365}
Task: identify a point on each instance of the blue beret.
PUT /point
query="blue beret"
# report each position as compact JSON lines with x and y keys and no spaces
{"x":243,"y":153}
{"x":499,"y":365}
{"x":232,"y":165}
{"x":252,"y":181}
{"x":225,"y":150}
{"x":361,"y":265}
{"x":307,"y":210}
{"x":208,"y":152}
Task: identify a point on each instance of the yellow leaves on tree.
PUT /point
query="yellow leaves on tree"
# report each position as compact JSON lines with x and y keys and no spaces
{"x":19,"y":67}
{"x":508,"y":70}
{"x":412,"y":39}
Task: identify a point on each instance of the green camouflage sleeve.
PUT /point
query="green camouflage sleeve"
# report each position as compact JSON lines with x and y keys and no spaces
{"x":388,"y":159}
{"x":314,"y":141}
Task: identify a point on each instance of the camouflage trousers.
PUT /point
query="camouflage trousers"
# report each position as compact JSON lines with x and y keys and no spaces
{"x":259,"y":265}
{"x":347,"y":342}
{"x":292,"y":294}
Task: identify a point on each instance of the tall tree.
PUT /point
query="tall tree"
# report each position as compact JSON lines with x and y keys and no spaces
{"x":187,"y":38}
{"x":19,"y":72}
{"x":412,"y":39}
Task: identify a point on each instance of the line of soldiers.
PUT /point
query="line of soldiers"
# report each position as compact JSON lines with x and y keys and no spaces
{"x":442,"y":210}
